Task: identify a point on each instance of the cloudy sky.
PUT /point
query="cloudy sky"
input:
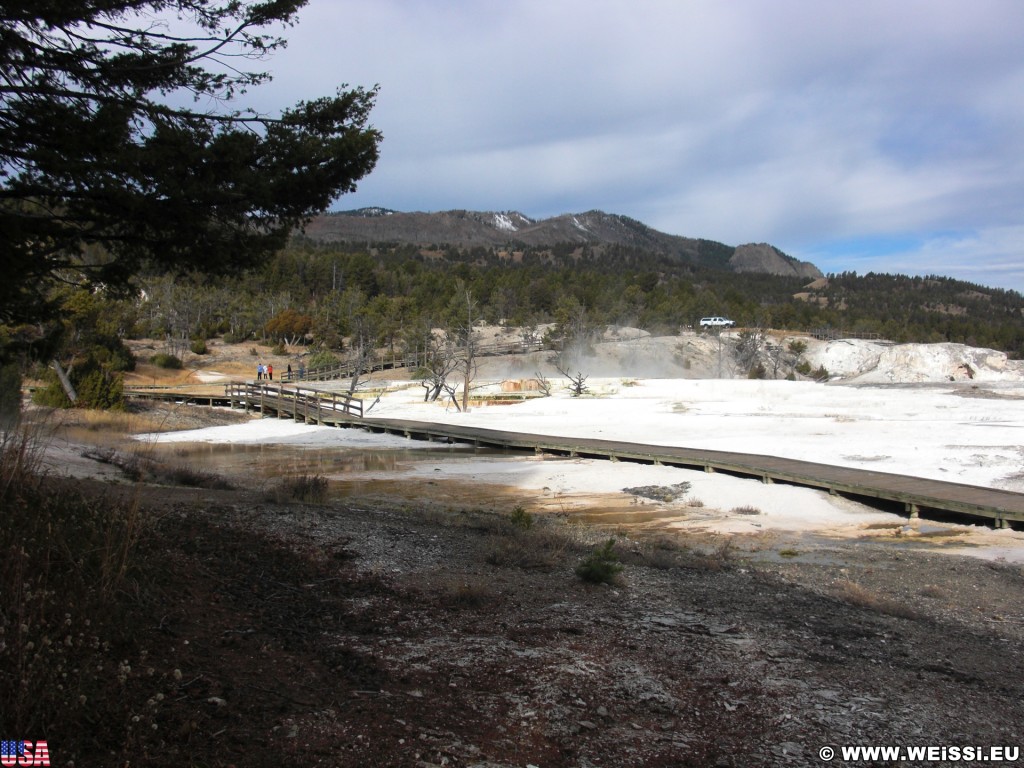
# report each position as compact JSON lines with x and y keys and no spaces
{"x":869,"y":136}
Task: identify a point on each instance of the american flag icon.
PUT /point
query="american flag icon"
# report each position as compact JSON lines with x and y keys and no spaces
{"x":12,"y":748}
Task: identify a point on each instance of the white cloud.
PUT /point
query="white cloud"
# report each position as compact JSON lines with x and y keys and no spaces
{"x":793,"y":122}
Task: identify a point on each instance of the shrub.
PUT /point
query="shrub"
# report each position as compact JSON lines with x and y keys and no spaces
{"x":309,"y":489}
{"x":114,"y":356}
{"x":601,"y":566}
{"x":198,"y":347}
{"x":163,"y":360}
{"x":520,"y":518}
{"x":95,"y":386}
{"x":101,"y":390}
{"x":322,"y":359}
{"x":52,"y":395}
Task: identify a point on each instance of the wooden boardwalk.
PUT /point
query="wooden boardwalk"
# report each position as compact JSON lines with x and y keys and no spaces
{"x":914,"y":493}
{"x":313,"y":406}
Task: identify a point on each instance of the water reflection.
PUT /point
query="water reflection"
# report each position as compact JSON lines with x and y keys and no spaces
{"x":273,"y":460}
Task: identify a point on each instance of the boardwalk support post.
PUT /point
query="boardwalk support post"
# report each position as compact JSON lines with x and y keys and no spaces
{"x":914,"y":510}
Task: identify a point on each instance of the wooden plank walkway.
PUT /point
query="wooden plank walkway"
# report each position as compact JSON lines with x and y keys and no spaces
{"x":914,"y":493}
{"x":310,"y":405}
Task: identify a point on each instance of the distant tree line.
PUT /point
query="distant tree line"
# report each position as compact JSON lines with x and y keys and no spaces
{"x":392,"y":293}
{"x":365,"y":297}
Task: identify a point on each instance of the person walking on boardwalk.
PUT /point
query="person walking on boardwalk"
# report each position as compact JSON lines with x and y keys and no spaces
{"x":259,"y":371}
{"x":270,"y":371}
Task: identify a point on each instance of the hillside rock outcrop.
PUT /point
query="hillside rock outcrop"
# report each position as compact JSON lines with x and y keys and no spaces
{"x":767,"y":259}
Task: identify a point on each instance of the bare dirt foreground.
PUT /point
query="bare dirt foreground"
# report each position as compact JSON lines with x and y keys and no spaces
{"x":365,"y":631}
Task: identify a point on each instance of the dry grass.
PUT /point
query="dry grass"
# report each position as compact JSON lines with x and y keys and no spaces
{"x":133,"y":421}
{"x":745,"y":510}
{"x":541,"y":548}
{"x":934,"y":592}
{"x":308,"y":489}
{"x":662,"y":552}
{"x":65,"y":560}
{"x":455,"y":590}
{"x":862,"y":597}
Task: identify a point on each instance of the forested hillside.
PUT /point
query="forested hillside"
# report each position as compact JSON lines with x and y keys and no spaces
{"x":512,"y":230}
{"x":339,"y":298}
{"x":390,"y":294}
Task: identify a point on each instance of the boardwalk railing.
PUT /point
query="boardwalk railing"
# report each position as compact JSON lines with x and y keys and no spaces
{"x":834,"y":334}
{"x":310,"y":405}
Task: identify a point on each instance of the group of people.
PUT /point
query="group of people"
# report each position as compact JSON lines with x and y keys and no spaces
{"x":266,"y":372}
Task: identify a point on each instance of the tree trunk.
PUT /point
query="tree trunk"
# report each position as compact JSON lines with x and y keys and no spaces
{"x":65,"y":382}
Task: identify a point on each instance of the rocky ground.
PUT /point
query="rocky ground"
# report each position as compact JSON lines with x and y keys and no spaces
{"x":376,"y":631}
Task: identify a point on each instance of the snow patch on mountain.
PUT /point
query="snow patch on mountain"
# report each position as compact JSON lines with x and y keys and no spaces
{"x":504,"y":221}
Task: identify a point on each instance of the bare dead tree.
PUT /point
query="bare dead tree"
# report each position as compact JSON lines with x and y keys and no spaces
{"x":467,"y":362}
{"x":360,"y":364}
{"x":367,"y":329}
{"x":776,"y":356}
{"x":542,"y":384}
{"x":440,"y":360}
{"x":452,"y":390}
{"x":368,"y":408}
{"x":577,"y":382}
{"x":750,"y":348}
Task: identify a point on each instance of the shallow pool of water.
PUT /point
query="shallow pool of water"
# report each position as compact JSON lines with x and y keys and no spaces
{"x":275,"y":460}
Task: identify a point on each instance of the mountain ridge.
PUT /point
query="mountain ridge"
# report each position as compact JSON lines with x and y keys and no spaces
{"x":497,"y":229}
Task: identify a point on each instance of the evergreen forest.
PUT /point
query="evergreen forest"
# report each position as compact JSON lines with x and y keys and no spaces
{"x":387,"y":294}
{"x":336,"y":299}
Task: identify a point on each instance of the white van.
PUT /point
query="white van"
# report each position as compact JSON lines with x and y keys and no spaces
{"x":716,"y":322}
